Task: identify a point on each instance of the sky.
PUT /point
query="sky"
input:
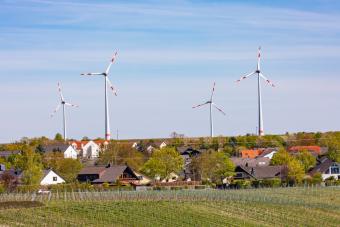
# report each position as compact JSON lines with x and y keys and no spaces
{"x":169,"y":55}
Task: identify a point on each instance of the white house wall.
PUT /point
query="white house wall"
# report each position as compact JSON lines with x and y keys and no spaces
{"x":91,"y":150}
{"x":70,"y":153}
{"x":48,"y":179}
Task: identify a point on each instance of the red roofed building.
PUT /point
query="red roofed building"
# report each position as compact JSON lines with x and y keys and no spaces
{"x":251,"y":153}
{"x":314,"y":149}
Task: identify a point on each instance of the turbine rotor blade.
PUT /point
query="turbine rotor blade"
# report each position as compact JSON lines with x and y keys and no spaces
{"x":267,"y":80}
{"x":91,"y":74}
{"x":56,"y":109}
{"x":200,"y":105}
{"x":69,"y":104}
{"x":111,"y":62}
{"x":60,"y":92}
{"x":258,"y":58}
{"x":213,"y":91}
{"x":246,"y":76}
{"x":111,"y":86}
{"x":219,"y":109}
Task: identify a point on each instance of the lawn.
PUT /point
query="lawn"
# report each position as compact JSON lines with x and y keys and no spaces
{"x":251,"y":207}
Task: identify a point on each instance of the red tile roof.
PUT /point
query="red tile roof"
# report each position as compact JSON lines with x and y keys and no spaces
{"x":315,"y":149}
{"x":251,"y":153}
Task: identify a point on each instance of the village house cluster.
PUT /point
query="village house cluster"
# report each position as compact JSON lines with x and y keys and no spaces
{"x":251,"y":164}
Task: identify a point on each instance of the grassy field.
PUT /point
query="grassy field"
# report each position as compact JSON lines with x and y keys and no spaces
{"x":253,"y":207}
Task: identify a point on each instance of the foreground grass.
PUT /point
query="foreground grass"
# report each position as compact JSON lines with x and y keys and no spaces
{"x":262,"y":207}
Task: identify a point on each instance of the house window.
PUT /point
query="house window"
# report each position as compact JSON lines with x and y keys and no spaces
{"x":335,"y":169}
{"x":54,"y":178}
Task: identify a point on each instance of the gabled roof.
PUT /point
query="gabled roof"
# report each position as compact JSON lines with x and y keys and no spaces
{"x":189,"y":150}
{"x":316,"y":149}
{"x":6,"y":154}
{"x":62,"y":147}
{"x":111,"y":174}
{"x":251,"y":153}
{"x":323,"y":164}
{"x":250,"y":162}
{"x":264,"y":172}
{"x":92,"y":170}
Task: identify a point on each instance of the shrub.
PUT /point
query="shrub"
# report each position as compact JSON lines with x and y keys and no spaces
{"x":242,"y":183}
{"x":106,"y":185}
{"x":273,"y":183}
{"x":2,"y":188}
{"x":200,"y":187}
{"x":27,"y":188}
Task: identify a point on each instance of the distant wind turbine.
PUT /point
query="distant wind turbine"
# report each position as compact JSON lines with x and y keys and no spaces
{"x":211,"y":104}
{"x":107,"y":81}
{"x":259,"y":76}
{"x":62,"y":103}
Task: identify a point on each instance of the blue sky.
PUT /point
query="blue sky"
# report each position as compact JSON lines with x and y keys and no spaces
{"x":169,"y":55}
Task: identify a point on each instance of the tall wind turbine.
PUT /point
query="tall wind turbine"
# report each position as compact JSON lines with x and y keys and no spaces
{"x":62,"y":103}
{"x":259,"y":76}
{"x":211,"y":104}
{"x":107,"y":82}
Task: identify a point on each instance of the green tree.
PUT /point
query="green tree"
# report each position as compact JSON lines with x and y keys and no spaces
{"x":58,"y":137}
{"x":52,"y":160}
{"x":121,"y":154}
{"x":282,"y":157}
{"x":16,"y":161}
{"x":306,"y":159}
{"x":296,"y":171}
{"x":5,"y":162}
{"x":32,"y":166}
{"x":163,"y":162}
{"x":214,"y":144}
{"x":213,"y":166}
{"x":69,"y":169}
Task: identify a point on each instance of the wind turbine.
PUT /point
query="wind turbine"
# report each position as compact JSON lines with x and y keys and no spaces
{"x":259,"y":76}
{"x":107,"y":81}
{"x":211,"y":104}
{"x":62,"y":103}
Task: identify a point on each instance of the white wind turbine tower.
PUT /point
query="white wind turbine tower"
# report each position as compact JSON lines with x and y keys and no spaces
{"x":107,"y":81}
{"x":62,"y":103}
{"x":259,"y":76}
{"x":211,"y":104}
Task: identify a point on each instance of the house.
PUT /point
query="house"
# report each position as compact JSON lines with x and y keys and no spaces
{"x":160,"y":144}
{"x":50,"y":178}
{"x":250,"y":153}
{"x":143,"y":180}
{"x":260,"y":152}
{"x":148,"y":147}
{"x":268,"y":153}
{"x":250,"y":162}
{"x":260,"y":172}
{"x":187,"y":153}
{"x":107,"y":174}
{"x":315,"y":150}
{"x":6,"y":154}
{"x":171,"y":178}
{"x":327,"y":168}
{"x":66,"y":149}
{"x":89,"y":149}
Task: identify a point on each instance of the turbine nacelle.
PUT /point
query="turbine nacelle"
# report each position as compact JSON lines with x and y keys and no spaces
{"x":212,"y":104}
{"x":107,"y":82}
{"x":62,"y":103}
{"x":260,"y":75}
